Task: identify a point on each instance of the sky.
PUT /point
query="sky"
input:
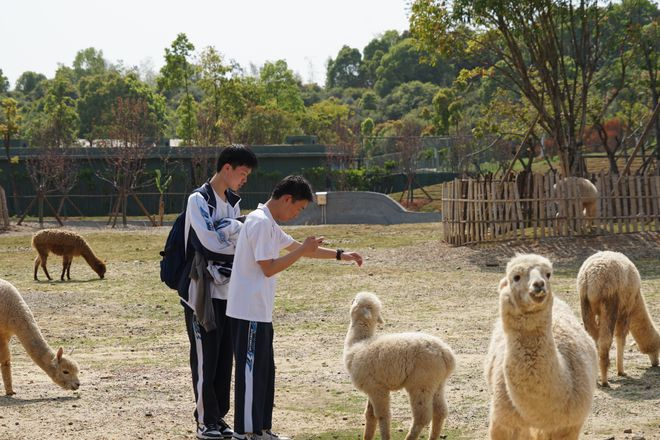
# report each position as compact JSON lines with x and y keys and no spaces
{"x":38,"y":35}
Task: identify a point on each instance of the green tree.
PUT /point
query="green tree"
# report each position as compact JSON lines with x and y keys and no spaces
{"x":89,"y":62}
{"x":57,"y":125}
{"x":344,"y":70}
{"x":402,"y":64}
{"x":4,"y":83}
{"x":98,"y":95}
{"x":10,"y":120}
{"x":373,"y":54}
{"x":213,"y":76}
{"x":265,"y":125}
{"x":177,"y":75}
{"x":30,"y":85}
{"x":280,"y":87}
{"x":407,"y":97}
{"x":549,"y":50}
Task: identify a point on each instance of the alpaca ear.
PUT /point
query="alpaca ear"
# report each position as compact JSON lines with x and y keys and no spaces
{"x":504,"y":282}
{"x":60,"y":352}
{"x":380,"y":320}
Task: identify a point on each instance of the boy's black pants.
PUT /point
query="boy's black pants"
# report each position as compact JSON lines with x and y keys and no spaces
{"x":211,"y":355}
{"x":254,"y":380}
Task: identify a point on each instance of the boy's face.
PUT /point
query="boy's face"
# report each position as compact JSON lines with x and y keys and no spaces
{"x":235,"y":178}
{"x":291,"y":208}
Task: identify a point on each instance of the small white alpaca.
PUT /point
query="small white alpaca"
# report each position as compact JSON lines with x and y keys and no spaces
{"x":588,"y":194}
{"x":16,"y":319}
{"x":418,"y":362}
{"x":541,"y":364}
{"x":611,"y":302}
{"x":68,"y":244}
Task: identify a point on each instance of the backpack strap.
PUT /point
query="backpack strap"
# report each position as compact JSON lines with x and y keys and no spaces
{"x":193,"y":242}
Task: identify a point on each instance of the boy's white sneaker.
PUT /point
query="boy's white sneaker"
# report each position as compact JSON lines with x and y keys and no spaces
{"x":269,"y":435}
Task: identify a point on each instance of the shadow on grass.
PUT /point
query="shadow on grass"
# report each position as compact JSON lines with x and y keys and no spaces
{"x":91,"y":280}
{"x":9,"y":401}
{"x":647,"y":387}
{"x":397,"y":434}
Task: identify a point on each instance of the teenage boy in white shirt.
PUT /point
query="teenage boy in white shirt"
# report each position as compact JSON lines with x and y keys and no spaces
{"x":251,"y":296}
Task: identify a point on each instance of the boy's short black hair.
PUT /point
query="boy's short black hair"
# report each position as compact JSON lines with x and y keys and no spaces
{"x":296,"y":186}
{"x":237,"y":155}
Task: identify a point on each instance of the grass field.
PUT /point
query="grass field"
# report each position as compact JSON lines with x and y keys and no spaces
{"x":129,"y":336}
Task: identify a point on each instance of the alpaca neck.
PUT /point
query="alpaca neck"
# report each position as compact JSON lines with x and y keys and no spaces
{"x":357,"y":333}
{"x":643,"y":330}
{"x":88,"y":255}
{"x":35,"y":345}
{"x":532,"y":360}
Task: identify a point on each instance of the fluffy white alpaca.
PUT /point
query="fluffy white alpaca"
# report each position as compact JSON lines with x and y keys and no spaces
{"x":541,"y":364}
{"x":378,"y":364}
{"x":611,"y":302}
{"x":588,"y":197}
{"x":16,"y":319}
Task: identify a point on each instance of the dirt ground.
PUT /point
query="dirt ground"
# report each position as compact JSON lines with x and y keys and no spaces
{"x":130,"y":340}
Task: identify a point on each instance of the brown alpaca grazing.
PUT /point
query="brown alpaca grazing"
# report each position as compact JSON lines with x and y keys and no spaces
{"x":68,"y":244}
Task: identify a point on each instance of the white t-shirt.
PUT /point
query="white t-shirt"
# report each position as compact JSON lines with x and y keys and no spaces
{"x":211,"y":235}
{"x":251,"y":293}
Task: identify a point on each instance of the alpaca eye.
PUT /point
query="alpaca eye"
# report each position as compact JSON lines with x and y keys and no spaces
{"x":516,"y":278}
{"x":548,"y":275}
{"x":65,"y":371}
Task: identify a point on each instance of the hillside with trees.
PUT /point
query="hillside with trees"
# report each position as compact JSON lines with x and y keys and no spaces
{"x":468,"y":82}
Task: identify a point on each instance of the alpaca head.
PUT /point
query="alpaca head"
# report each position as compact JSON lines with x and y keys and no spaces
{"x":65,"y":371}
{"x":526,"y":286}
{"x":365,"y":310}
{"x":99,"y":268}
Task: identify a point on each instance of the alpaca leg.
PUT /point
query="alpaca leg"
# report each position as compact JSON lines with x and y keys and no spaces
{"x":66,"y":262}
{"x":381,"y":405}
{"x":439,"y":412}
{"x":620,"y":331}
{"x":605,"y":331}
{"x":371,"y":421}
{"x":37,"y":262}
{"x":5,"y":366}
{"x":44,"y":258}
{"x":421,"y":402}
{"x":653,"y":357}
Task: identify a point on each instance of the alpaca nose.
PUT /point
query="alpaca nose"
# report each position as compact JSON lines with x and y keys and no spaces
{"x":75,"y":385}
{"x":539,"y":285}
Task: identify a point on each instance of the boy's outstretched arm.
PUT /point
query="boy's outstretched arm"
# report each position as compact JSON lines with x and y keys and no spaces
{"x":296,"y":250}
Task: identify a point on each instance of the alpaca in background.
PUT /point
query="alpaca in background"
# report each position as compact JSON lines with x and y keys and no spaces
{"x":68,"y":244}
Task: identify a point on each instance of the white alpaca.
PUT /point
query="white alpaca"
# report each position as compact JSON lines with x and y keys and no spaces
{"x":612,"y":304}
{"x":588,"y":194}
{"x":541,"y":364}
{"x":16,"y":319}
{"x":418,"y":362}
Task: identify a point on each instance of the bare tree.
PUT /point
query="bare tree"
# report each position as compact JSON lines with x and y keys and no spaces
{"x":343,"y":151}
{"x":47,"y":168}
{"x":126,"y":158}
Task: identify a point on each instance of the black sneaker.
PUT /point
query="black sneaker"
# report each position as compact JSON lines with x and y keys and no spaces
{"x":209,"y":432}
{"x":225,"y":429}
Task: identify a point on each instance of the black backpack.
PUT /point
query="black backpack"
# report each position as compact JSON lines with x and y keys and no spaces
{"x":173,"y":262}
